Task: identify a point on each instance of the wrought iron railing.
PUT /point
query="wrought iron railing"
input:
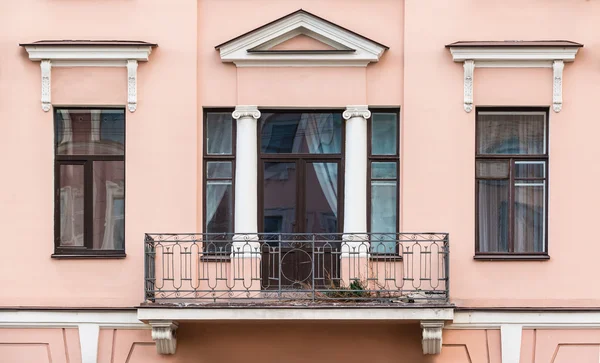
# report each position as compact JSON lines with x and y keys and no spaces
{"x":288,"y":268}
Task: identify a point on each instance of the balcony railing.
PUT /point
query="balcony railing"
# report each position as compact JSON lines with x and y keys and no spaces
{"x":400,"y":268}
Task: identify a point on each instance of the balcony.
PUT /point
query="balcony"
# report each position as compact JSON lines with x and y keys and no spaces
{"x":370,"y":276}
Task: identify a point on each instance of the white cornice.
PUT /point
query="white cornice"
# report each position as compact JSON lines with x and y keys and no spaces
{"x":71,"y":55}
{"x":513,"y":57}
{"x":349,"y":49}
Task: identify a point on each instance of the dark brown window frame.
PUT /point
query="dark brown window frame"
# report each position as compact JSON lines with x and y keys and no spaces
{"x":206,"y":158}
{"x":383,"y":158}
{"x":302,"y":158}
{"x":86,"y":161}
{"x":511,"y":158}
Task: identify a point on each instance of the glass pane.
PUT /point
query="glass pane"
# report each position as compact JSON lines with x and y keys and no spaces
{"x":530,"y":169}
{"x":511,"y":133}
{"x":321,"y":198}
{"x":279,"y":197}
{"x":89,"y":132}
{"x":493,"y":211}
{"x":219,"y":207}
{"x":219,"y":133}
{"x":305,"y":133}
{"x":530,"y":216}
{"x":218,"y":170}
{"x":384,"y":132}
{"x":492,"y":169}
{"x":109,"y":205}
{"x":71,"y":205}
{"x":383,"y":214}
{"x":383,"y":170}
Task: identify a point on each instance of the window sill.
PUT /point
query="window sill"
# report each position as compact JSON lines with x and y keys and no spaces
{"x":510,"y":257}
{"x":78,"y":256}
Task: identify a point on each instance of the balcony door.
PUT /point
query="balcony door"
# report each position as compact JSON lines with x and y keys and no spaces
{"x":300,"y":192}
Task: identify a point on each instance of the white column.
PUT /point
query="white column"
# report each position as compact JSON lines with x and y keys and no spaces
{"x":246,"y":169}
{"x":510,"y":337}
{"x":355,"y":178}
{"x":88,"y":342}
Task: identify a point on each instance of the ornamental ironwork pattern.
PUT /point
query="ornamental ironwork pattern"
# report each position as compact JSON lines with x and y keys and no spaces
{"x":406,"y":268}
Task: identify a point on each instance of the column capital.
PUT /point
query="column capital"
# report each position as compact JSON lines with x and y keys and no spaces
{"x":246,"y":111}
{"x":356,"y":111}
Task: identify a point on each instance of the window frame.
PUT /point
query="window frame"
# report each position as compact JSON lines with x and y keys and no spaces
{"x":87,"y":161}
{"x":206,"y":158}
{"x":511,"y":159}
{"x":371,"y":158}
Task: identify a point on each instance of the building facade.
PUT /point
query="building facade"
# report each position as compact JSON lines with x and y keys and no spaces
{"x":299,"y":180}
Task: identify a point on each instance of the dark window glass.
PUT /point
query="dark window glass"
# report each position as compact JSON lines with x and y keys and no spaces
{"x":279,"y":206}
{"x":90,"y":162}
{"x":512,"y":187}
{"x":219,"y":133}
{"x":219,"y":197}
{"x":384,"y":133}
{"x":384,"y":183}
{"x":89,"y":132}
{"x":301,"y":133}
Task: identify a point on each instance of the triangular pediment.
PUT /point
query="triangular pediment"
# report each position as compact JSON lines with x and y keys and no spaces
{"x":301,"y":39}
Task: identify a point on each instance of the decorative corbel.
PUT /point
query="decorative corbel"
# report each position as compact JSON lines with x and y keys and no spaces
{"x":432,"y":336}
{"x":164,"y":333}
{"x":469,"y":67}
{"x":557,"y":66}
{"x":46,"y":67}
{"x":132,"y":85}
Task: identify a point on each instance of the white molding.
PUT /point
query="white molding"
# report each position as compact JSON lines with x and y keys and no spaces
{"x":528,"y":320}
{"x":46,"y":67}
{"x":132,"y":66}
{"x":432,"y":336}
{"x":86,"y":56}
{"x":517,"y":54}
{"x":469,"y":67}
{"x":88,"y":342}
{"x":510,"y":338}
{"x":164,"y":333}
{"x":74,"y":53}
{"x":513,"y":57}
{"x":362,"y":50}
{"x":291,"y":314}
{"x":557,"y":100}
{"x":69,"y":319}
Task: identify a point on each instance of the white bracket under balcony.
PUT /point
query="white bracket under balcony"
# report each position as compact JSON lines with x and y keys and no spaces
{"x":432,"y":336}
{"x":75,"y":53}
{"x":514,"y":54}
{"x":164,"y":333}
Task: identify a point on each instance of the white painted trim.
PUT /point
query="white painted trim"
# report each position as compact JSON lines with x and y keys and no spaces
{"x":82,"y":56}
{"x":98,"y":54}
{"x":510,"y":337}
{"x":506,"y":55}
{"x":69,"y":319}
{"x":513,"y":57}
{"x":333,"y":314}
{"x":365,"y":51}
{"x":528,"y":320}
{"x":88,"y":342}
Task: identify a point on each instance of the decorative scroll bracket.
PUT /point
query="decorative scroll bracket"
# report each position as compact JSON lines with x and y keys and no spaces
{"x":132,"y":66}
{"x":558,"y":67}
{"x":46,"y":67}
{"x":164,"y":333}
{"x":469,"y":67}
{"x":432,"y":336}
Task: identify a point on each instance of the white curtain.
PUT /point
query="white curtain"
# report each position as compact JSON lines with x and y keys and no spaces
{"x":319,"y":130}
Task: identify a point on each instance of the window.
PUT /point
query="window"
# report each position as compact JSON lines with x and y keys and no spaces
{"x":89,"y":181}
{"x":219,"y":167}
{"x":383,"y":180}
{"x":511,"y":182}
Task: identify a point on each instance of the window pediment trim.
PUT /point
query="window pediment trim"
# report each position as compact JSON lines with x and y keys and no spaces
{"x":101,"y":53}
{"x":253,"y":49}
{"x":514,"y":54}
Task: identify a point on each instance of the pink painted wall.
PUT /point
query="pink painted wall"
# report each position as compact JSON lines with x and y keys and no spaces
{"x":185,"y":74}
